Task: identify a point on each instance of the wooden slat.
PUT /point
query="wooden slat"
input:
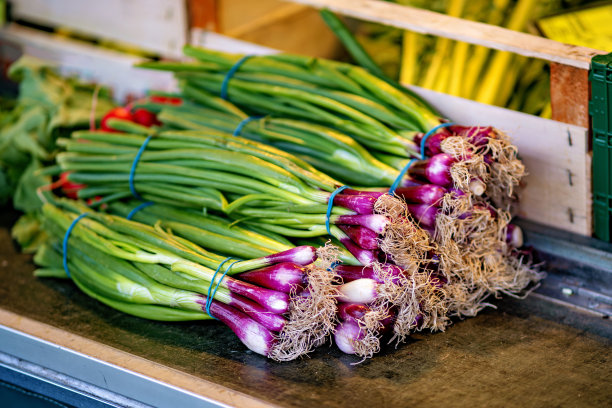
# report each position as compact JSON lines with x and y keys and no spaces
{"x":203,"y":14}
{"x":217,"y":394}
{"x":155,"y":25}
{"x":557,"y":188}
{"x":91,"y":63}
{"x":428,"y":22}
{"x":287,"y":27}
{"x":570,"y":94}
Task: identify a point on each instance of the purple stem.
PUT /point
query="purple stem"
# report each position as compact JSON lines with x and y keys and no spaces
{"x":352,"y":311}
{"x":283,"y":277}
{"x":477,"y":135}
{"x":425,"y":194}
{"x":301,"y":255}
{"x":376,"y":222}
{"x":346,"y":334}
{"x":274,"y":301}
{"x":364,"y":237}
{"x":361,"y":204}
{"x":375,"y":194}
{"x":350,"y":273}
{"x":358,"y":291}
{"x":435,"y":169}
{"x":387,"y":322}
{"x":433,"y":142}
{"x":252,"y":334}
{"x":424,"y":214}
{"x":270,"y":321}
{"x":514,"y":235}
{"x":365,"y":256}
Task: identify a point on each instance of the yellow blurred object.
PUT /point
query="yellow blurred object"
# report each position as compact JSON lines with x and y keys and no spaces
{"x":442,"y":46}
{"x":497,"y":70}
{"x":588,"y":27}
{"x":471,"y":71}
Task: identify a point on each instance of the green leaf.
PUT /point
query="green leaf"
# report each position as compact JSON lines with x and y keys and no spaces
{"x":26,"y":197}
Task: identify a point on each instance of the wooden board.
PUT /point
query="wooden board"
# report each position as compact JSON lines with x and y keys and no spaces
{"x":220,"y":42}
{"x":429,"y":22}
{"x":277,"y":24}
{"x":548,"y":198}
{"x":90,"y":63}
{"x":570,"y":92}
{"x":558,"y":188}
{"x":155,"y":25}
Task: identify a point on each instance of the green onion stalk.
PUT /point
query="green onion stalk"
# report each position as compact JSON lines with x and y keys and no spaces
{"x":383,"y":117}
{"x":257,"y":184}
{"x":266,"y":189}
{"x":398,"y":302}
{"x":482,"y":159}
{"x":149,"y":272}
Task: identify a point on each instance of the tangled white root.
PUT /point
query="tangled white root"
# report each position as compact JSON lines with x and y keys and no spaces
{"x":501,"y":175}
{"x":312,"y":318}
{"x":506,"y":170}
{"x":403,"y":241}
{"x":475,"y":256}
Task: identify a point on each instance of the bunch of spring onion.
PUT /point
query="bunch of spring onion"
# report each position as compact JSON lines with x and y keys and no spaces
{"x":276,"y":190}
{"x":390,"y":300}
{"x":477,"y":166}
{"x":468,"y":224}
{"x":149,"y":272}
{"x":271,"y":190}
{"x":383,"y":118}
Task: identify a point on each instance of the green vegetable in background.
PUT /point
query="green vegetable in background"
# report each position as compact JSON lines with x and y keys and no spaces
{"x":47,"y":107}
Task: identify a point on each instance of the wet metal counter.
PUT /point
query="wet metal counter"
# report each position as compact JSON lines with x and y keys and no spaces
{"x":551,"y":349}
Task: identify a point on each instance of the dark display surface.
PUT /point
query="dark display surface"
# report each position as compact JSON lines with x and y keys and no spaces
{"x":517,"y":355}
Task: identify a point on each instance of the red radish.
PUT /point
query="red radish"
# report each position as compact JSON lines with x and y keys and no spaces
{"x":145,"y":118}
{"x":168,"y":100}
{"x":116,"y":113}
{"x":69,"y":188}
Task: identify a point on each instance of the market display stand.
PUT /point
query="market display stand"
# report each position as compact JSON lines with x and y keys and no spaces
{"x":540,"y":351}
{"x":551,"y":349}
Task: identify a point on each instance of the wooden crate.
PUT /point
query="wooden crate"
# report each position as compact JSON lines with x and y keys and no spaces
{"x":276,"y":24}
{"x":159,"y":26}
{"x":162,"y":26}
{"x":556,"y":152}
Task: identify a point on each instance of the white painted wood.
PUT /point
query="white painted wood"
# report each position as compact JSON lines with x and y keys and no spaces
{"x":219,"y":42}
{"x":91,"y":63}
{"x":543,"y":144}
{"x":545,"y":148}
{"x":429,"y":22}
{"x":155,"y":25}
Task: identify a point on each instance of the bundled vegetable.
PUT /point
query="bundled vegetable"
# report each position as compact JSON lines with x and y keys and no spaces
{"x":423,"y":237}
{"x":388,"y":121}
{"x":272,"y":189}
{"x":373,"y":221}
{"x":412,"y":297}
{"x":48,"y":106}
{"x":460,"y":194}
{"x":126,"y":263}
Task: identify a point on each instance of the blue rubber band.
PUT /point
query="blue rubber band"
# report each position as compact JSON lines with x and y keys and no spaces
{"x":65,"y":242}
{"x":210,"y":296}
{"x":134,"y":164}
{"x":138,"y":208}
{"x":400,"y":176}
{"x":431,"y":132}
{"x":243,"y":123}
{"x":230,"y":74}
{"x":333,"y":266}
{"x":330,"y":204}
